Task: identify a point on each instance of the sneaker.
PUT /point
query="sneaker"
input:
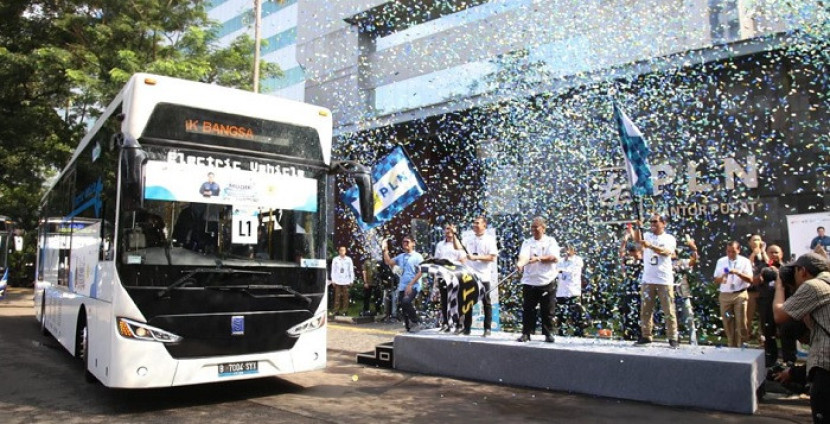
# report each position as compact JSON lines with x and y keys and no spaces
{"x":458,"y":330}
{"x":642,"y":341}
{"x":486,"y":333}
{"x":415,"y":328}
{"x":673,"y":344}
{"x":549,"y":339}
{"x":524,"y":338}
{"x":444,"y":328}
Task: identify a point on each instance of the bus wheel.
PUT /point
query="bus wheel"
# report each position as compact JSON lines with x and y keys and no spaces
{"x":82,"y":347}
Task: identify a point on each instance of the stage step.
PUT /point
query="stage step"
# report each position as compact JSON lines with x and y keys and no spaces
{"x":382,"y":357}
{"x":723,"y":379}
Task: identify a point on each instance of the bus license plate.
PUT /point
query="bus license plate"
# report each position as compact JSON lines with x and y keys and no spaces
{"x":238,"y":368}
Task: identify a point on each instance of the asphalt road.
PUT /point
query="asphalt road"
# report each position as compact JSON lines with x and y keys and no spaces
{"x":41,"y":383}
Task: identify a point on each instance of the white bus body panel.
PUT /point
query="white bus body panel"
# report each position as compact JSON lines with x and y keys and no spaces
{"x":124,"y":363}
{"x":141,"y":364}
{"x":145,"y":364}
{"x":138,"y":96}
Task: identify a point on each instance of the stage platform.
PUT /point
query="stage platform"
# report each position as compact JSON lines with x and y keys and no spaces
{"x":722,"y":379}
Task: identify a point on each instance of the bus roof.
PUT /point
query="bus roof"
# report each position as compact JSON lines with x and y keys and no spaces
{"x":143,"y":91}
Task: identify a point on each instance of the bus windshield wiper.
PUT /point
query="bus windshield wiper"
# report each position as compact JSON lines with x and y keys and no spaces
{"x":193,"y":272}
{"x":246,"y":289}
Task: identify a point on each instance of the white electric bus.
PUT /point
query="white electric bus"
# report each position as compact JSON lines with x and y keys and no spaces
{"x":185,"y":241}
{"x":7,"y":243}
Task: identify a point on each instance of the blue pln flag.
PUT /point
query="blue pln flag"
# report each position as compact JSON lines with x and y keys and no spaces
{"x":3,"y":284}
{"x":396,"y":185}
{"x":636,"y":154}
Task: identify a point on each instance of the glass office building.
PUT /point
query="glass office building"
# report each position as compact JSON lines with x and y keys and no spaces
{"x":506,"y":108}
{"x":279,"y":35}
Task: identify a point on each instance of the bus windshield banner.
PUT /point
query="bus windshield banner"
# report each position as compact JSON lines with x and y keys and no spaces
{"x":397,"y":185}
{"x":227,"y":186}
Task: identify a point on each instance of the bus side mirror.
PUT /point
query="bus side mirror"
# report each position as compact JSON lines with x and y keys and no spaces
{"x":365,"y":187}
{"x":132,"y":177}
{"x":367,"y":199}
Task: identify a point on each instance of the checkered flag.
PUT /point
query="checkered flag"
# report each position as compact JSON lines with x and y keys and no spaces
{"x":461,"y":282}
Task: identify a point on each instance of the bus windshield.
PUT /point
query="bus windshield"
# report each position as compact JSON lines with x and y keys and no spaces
{"x":217,"y":210}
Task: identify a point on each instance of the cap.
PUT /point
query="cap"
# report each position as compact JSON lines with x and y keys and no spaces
{"x":813,"y":263}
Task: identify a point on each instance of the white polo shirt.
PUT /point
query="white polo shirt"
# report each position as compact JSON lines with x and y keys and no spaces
{"x":570,"y":277}
{"x":342,"y":270}
{"x":539,"y":273}
{"x":446,"y":250}
{"x":482,"y":245}
{"x":657,"y":269}
{"x":733,"y":283}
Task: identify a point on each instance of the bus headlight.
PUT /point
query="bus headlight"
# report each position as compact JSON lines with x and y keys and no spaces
{"x":138,"y":331}
{"x":311,"y":324}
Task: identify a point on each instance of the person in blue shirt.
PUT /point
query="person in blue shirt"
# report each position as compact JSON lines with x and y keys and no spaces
{"x":820,"y":239}
{"x":209,"y":187}
{"x":409,"y":263}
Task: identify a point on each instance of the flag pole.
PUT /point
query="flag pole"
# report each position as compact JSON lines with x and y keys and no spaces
{"x":638,"y":204}
{"x":498,"y":283}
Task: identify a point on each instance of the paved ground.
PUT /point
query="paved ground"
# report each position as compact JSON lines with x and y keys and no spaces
{"x":345,"y":392}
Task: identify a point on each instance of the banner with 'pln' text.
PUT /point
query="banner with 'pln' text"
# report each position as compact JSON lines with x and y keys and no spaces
{"x":396,"y":185}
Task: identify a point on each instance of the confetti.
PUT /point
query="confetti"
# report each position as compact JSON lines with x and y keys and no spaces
{"x":738,"y":141}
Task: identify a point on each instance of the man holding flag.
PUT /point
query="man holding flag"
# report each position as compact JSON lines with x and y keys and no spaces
{"x":657,"y":281}
{"x":410,"y":282}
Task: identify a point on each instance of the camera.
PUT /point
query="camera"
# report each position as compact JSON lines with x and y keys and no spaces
{"x":797,"y":382}
{"x":775,"y":369}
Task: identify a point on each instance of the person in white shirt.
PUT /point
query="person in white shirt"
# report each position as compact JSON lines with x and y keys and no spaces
{"x":538,"y":257}
{"x":657,"y":281}
{"x":342,"y":275}
{"x":450,"y":249}
{"x":733,"y":274}
{"x":569,"y":293}
{"x":482,"y":253}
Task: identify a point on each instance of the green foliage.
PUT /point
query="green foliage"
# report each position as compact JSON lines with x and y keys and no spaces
{"x":61,"y":62}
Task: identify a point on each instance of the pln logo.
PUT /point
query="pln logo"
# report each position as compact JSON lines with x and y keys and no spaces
{"x":609,"y":196}
{"x":612,"y":190}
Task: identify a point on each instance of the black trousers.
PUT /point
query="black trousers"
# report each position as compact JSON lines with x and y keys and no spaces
{"x":545,"y":298}
{"x":570,"y":309}
{"x":820,"y":395}
{"x":370,"y":294}
{"x":790,"y":332}
{"x":488,"y":310}
{"x":442,"y":295}
{"x":768,"y":327}
{"x":410,"y":316}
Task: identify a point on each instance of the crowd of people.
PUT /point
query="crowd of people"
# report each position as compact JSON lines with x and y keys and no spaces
{"x":792,"y":300}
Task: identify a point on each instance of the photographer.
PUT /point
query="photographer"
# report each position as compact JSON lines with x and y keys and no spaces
{"x":811,"y":302}
{"x":792,"y":377}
